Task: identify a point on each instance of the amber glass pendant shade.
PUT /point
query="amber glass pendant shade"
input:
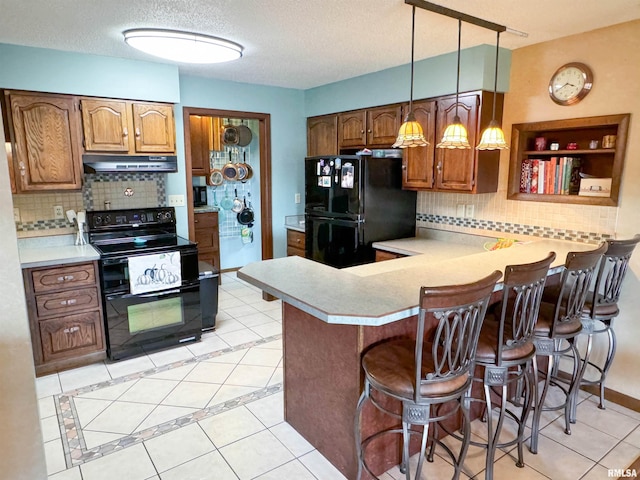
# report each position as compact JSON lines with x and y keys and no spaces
{"x":410,"y":134}
{"x":455,"y":136}
{"x":492,"y":138}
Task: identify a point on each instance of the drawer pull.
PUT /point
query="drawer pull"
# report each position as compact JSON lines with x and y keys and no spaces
{"x":297,"y":240}
{"x":71,"y":301}
{"x":71,"y":329}
{"x":65,"y":278}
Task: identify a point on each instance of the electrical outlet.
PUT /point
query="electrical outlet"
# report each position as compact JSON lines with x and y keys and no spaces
{"x":469,"y":211}
{"x":58,"y":212}
{"x":176,"y":200}
{"x":297,"y":198}
{"x":460,"y":210}
{"x":16,"y":214}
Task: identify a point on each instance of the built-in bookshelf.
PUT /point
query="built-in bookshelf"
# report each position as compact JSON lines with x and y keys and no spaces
{"x":556,"y":175}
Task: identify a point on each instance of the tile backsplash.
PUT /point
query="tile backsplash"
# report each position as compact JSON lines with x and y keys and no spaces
{"x":122,"y":190}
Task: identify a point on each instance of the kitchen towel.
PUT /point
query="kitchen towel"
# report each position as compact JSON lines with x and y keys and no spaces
{"x":150,"y":273}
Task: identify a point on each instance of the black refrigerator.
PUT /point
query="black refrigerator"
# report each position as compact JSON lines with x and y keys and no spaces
{"x":352,"y":201}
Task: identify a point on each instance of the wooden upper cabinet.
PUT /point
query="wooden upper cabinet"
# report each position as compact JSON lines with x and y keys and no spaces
{"x":119,"y":126}
{"x":375,"y":127}
{"x":199,"y":131}
{"x":417,"y":164}
{"x":322,"y":135}
{"x":46,"y":137}
{"x":383,"y":124}
{"x":455,"y":167}
{"x":154,"y":128}
{"x":105,"y":125}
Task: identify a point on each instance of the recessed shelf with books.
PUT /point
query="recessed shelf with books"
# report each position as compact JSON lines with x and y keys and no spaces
{"x":559,"y":174}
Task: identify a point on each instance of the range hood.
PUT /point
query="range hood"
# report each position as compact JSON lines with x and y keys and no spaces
{"x":129,"y":163}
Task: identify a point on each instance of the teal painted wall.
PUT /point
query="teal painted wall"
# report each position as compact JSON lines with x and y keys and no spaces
{"x":432,"y":77}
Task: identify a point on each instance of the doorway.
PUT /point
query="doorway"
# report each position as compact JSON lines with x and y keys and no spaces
{"x":264,"y":148}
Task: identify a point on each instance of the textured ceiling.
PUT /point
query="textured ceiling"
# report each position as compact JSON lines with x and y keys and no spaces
{"x":300,"y":43}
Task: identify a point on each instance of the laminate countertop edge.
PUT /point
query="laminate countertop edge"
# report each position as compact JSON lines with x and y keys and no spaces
{"x":58,"y":255}
{"x":387,"y":291}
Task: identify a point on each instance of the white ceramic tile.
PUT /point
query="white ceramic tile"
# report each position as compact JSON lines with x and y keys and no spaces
{"x":149,"y":390}
{"x":191,"y":394}
{"x":70,"y":474}
{"x":634,"y":438}
{"x":598,"y":472}
{"x":292,"y":470}
{"x":230,"y":426}
{"x":269,"y":410}
{"x":256,"y":455}
{"x":608,"y":421}
{"x":239,"y":337}
{"x":54,"y":456}
{"x":228,"y":325}
{"x":229,"y":392}
{"x":208,"y":372}
{"x":617,"y":408}
{"x":268,"y":329}
{"x":557,"y":461}
{"x":126,"y":367}
{"x":250,"y":376}
{"x":506,"y":468}
{"x":132,"y":463}
{"x":208,"y":345}
{"x":276,"y":314}
{"x":291,"y":439}
{"x":48,"y":385}
{"x":177,"y":373}
{"x":210,"y":466}
{"x":120,"y":417}
{"x":254,"y":319}
{"x":95,"y":439}
{"x":50,"y":428}
{"x":322,"y":469}
{"x":229,"y":301}
{"x":265,"y":306}
{"x":241,"y":310}
{"x":162,"y":414}
{"x":273,"y":345}
{"x":109,"y":393}
{"x":89,"y":408}
{"x":623,"y":455}
{"x":178,"y":446}
{"x":84,"y":376}
{"x":262,"y":357}
{"x":233,"y":357}
{"x":170,"y":355}
{"x":584,"y":439}
{"x":277,"y":377}
{"x":46,"y":407}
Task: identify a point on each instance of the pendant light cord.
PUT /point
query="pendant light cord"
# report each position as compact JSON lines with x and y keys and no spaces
{"x":458,"y":70}
{"x":495,"y":84}
{"x":413,"y":36}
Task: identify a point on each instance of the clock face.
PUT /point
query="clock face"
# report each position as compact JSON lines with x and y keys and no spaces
{"x":570,"y":83}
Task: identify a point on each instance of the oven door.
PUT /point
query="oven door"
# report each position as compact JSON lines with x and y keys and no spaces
{"x":145,"y":322}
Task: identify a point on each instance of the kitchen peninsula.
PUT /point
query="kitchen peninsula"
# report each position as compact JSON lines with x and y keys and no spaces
{"x":331,"y":316}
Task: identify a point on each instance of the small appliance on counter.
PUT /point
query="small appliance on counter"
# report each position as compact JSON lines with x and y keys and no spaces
{"x":199,"y":196}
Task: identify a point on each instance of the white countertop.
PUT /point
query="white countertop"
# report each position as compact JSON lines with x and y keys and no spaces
{"x":383,"y":292}
{"x":54,"y":250}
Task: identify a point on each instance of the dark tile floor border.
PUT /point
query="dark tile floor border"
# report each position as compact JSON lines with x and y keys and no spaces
{"x":73,"y":443}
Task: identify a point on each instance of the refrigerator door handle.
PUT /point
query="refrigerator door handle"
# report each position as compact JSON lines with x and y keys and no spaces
{"x":338,"y":221}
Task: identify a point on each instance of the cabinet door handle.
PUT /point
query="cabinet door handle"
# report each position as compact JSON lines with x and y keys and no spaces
{"x":369,"y":130}
{"x":68,"y":278}
{"x":125,"y":132}
{"x":23,"y":169}
{"x":137,"y":132}
{"x":439,"y":167}
{"x":71,"y":301}
{"x":404,"y":166}
{"x":71,"y":329}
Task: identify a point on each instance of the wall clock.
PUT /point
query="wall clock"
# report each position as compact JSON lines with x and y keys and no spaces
{"x":570,"y":83}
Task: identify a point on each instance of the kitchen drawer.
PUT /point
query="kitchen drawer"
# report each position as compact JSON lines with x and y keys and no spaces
{"x":206,"y":220}
{"x":291,"y":251}
{"x":68,"y":301}
{"x":207,"y":239}
{"x":57,"y":278}
{"x":295,"y":239}
{"x":71,"y":336}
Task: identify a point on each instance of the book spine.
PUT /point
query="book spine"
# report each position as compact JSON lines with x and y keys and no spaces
{"x":541,"y":176}
{"x":525,"y":176}
{"x":534,"y":175}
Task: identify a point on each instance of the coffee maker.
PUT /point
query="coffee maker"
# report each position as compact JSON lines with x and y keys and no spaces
{"x":199,"y":196}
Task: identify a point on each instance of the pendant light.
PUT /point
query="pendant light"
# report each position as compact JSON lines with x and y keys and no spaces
{"x":411,"y":133}
{"x":455,"y":135}
{"x":493,"y":136}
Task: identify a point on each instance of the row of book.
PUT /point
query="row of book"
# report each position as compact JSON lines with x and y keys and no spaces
{"x":550,"y":176}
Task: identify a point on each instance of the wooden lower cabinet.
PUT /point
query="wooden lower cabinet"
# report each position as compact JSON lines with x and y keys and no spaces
{"x":295,"y":243}
{"x":65,"y":316}
{"x":207,"y":236}
{"x":382,"y":255}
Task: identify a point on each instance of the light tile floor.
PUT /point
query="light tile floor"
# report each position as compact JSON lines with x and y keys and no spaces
{"x":214,"y":410}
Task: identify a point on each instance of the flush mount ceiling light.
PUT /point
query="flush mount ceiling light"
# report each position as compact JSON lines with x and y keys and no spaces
{"x":411,"y":133}
{"x":184,"y":47}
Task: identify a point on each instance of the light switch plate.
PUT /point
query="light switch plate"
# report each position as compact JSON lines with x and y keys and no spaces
{"x":176,"y":200}
{"x":297,"y":198}
{"x":470,"y":211}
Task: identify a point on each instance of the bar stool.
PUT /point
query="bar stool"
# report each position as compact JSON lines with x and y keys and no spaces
{"x":556,"y":330}
{"x":507,"y":354}
{"x":601,"y":308}
{"x":422,"y":373}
